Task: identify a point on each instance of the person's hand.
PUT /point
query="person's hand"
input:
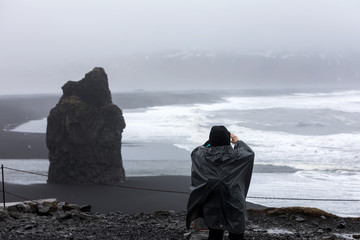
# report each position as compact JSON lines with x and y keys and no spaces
{"x":233,"y":138}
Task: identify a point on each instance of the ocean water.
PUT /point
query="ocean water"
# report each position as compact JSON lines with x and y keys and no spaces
{"x":307,"y":144}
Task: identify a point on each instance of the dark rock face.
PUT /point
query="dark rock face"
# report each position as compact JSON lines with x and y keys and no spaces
{"x":84,"y":132}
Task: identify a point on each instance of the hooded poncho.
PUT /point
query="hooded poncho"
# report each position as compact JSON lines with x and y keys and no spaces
{"x":220,"y":179}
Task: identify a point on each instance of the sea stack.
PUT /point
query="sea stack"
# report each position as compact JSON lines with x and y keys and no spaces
{"x":84,"y":132}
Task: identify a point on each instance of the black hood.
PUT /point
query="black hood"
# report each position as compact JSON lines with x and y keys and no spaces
{"x":219,"y":136}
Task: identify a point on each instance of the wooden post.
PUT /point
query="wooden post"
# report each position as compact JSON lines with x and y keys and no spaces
{"x":3,"y":184}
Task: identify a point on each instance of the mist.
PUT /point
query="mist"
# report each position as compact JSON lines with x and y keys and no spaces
{"x":43,"y":43}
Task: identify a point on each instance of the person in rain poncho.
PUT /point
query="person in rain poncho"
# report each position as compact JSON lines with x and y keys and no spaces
{"x":220,"y":179}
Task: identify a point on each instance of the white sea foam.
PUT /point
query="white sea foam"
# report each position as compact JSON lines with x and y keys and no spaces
{"x":34,"y":126}
{"x":305,"y":186}
{"x":348,"y":101}
{"x":187,"y":127}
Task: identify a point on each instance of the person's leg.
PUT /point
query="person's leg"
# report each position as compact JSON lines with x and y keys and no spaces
{"x":236,"y":236}
{"x":215,"y":234}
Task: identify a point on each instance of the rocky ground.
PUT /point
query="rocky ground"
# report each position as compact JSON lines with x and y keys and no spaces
{"x":59,"y":220}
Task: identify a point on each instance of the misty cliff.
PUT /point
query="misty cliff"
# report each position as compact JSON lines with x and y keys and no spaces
{"x":202,"y":69}
{"x":187,"y":70}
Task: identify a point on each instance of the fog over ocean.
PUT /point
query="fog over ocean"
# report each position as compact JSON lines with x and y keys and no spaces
{"x":306,"y":143}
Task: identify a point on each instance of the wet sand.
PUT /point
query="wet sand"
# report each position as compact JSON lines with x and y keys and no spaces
{"x":16,"y":110}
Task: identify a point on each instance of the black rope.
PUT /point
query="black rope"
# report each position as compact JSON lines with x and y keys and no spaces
{"x":146,"y":189}
{"x":182,"y":192}
{"x":44,"y":175}
{"x":18,"y":196}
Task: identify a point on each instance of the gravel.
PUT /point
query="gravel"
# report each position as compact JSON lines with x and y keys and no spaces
{"x":53,"y":220}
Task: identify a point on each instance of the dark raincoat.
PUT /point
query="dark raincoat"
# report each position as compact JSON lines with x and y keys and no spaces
{"x":220,"y":179}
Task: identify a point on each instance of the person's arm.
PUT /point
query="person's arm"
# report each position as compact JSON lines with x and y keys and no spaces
{"x":239,"y":144}
{"x":233,"y":138}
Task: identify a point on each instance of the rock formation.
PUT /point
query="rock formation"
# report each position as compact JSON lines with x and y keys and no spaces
{"x":84,"y":132}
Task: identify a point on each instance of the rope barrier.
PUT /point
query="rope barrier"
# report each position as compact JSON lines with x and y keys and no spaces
{"x":18,"y":170}
{"x":182,"y":192}
{"x":111,"y":185}
{"x":146,"y":189}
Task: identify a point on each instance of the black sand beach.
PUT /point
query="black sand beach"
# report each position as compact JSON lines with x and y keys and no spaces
{"x":129,"y":197}
{"x":16,"y":110}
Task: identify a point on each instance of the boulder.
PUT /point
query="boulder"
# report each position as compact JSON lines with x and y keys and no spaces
{"x":4,"y":215}
{"x":20,"y":207}
{"x":84,"y":132}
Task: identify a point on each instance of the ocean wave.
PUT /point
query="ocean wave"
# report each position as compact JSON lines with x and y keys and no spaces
{"x":274,"y":138}
{"x":335,"y":93}
{"x":340,"y":101}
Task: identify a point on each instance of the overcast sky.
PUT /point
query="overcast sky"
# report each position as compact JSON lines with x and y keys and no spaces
{"x":41,"y":33}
